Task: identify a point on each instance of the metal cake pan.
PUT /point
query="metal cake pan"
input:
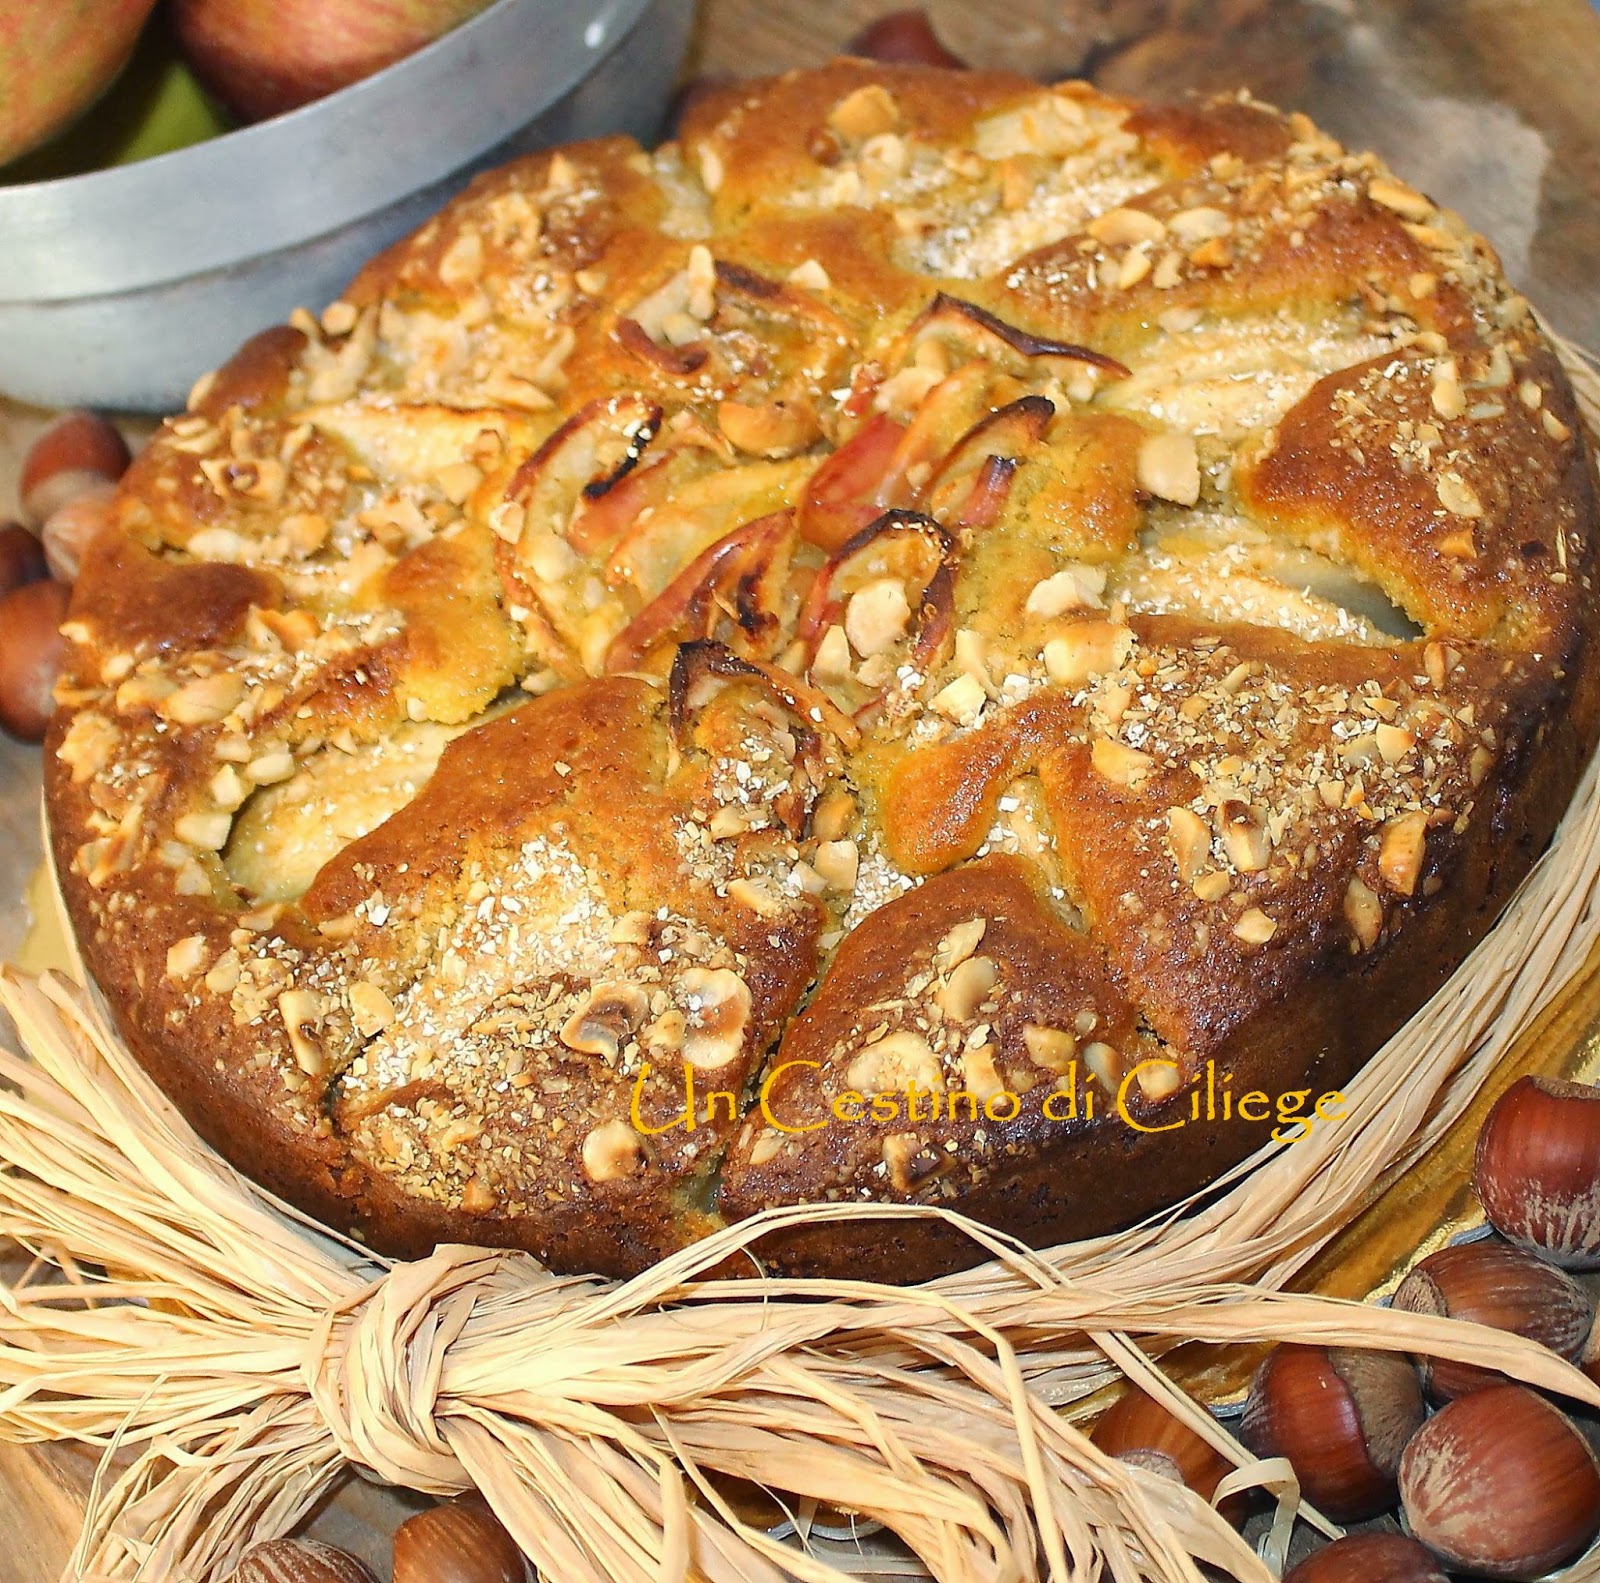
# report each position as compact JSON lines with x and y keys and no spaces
{"x":120,"y":287}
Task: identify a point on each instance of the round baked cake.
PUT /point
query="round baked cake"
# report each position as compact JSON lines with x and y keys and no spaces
{"x":934,"y":641}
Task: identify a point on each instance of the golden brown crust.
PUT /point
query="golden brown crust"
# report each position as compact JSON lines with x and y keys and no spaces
{"x":1038,"y":609}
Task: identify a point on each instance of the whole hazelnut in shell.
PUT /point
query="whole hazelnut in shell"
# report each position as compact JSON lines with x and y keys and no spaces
{"x":1342,"y":1417}
{"x":78,"y":451}
{"x":1493,"y":1283}
{"x":300,"y":1561}
{"x":1137,"y":1428}
{"x":1500,"y":1483}
{"x":30,"y":656}
{"x":1368,"y":1558}
{"x":1537,"y":1169}
{"x":458,"y":1542}
{"x":21,"y":558}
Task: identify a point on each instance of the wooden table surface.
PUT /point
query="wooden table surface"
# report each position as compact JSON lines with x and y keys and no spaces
{"x":1485,"y":104}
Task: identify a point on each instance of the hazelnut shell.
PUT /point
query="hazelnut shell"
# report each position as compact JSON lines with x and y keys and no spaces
{"x":21,"y":558}
{"x":1342,"y":1418}
{"x":460,"y":1542}
{"x":1139,"y":1429}
{"x":30,"y":656}
{"x":903,"y":38}
{"x":70,"y":529}
{"x":77,"y":451}
{"x":1493,"y":1283}
{"x":300,"y":1561}
{"x":1502,"y":1484}
{"x":1368,"y":1558}
{"x":1537,"y":1169}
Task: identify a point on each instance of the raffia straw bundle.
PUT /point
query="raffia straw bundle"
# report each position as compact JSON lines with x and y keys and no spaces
{"x":244,"y":1361}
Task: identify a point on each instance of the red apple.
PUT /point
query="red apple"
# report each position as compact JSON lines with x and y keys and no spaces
{"x":56,"y":58}
{"x":263,"y":57}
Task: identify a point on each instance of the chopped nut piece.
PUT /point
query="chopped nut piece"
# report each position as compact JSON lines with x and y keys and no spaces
{"x":1394,"y":742}
{"x":1104,"y":1064}
{"x":958,"y":944}
{"x":979,"y":1075}
{"x":1201,"y":224}
{"x":457,"y":481}
{"x":1169,"y":468}
{"x":711,"y":169}
{"x":1457,"y":496}
{"x":900,"y":1150}
{"x":1363,"y":911}
{"x":1086,"y":649}
{"x":835,"y":811}
{"x":719,"y":1016}
{"x":1123,"y":227}
{"x":896,"y":1061}
{"x":206,"y":831}
{"x":1244,"y":837}
{"x":1401,"y":850}
{"x":370,"y":1009}
{"x":838,"y":862}
{"x":611,"y":1151}
{"x":187,"y":956}
{"x":960,"y":995}
{"x":766,"y":1146}
{"x":477,"y":1197}
{"x":1072,"y":588}
{"x":1213,"y":886}
{"x":1189,"y":841}
{"x":810,"y":276}
{"x":1254,"y":927}
{"x":602,"y":1024}
{"x":1159,"y":1079}
{"x":271,"y":767}
{"x":758,"y":896}
{"x":865,"y":113}
{"x":1404,"y":201}
{"x":962,"y":701}
{"x":877,"y":616}
{"x":1447,"y":398}
{"x":301,"y":1010}
{"x":1051,"y":1048}
{"x":205,"y":700}
{"x":832,"y":661}
{"x":1118,"y":763}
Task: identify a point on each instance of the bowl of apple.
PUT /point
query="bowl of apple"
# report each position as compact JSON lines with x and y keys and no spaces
{"x":120,"y":285}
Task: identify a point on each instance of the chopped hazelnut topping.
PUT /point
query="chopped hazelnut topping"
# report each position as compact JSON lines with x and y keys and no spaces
{"x":1254,"y":927}
{"x":1051,"y":1048}
{"x":896,"y":1061}
{"x":865,"y":113}
{"x":1363,"y":911}
{"x":877,"y":616}
{"x":719,"y":1016}
{"x":958,"y":944}
{"x":608,"y":1015}
{"x":301,"y":1010}
{"x":1169,"y":468}
{"x":1118,"y":763}
{"x":964,"y":990}
{"x":1400,"y":851}
{"x":1189,"y":841}
{"x":611,"y":1151}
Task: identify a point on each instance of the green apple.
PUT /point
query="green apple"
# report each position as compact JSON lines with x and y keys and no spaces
{"x":56,"y":58}
{"x":263,"y":57}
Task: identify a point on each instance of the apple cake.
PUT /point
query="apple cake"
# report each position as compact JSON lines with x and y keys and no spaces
{"x":935,"y":640}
